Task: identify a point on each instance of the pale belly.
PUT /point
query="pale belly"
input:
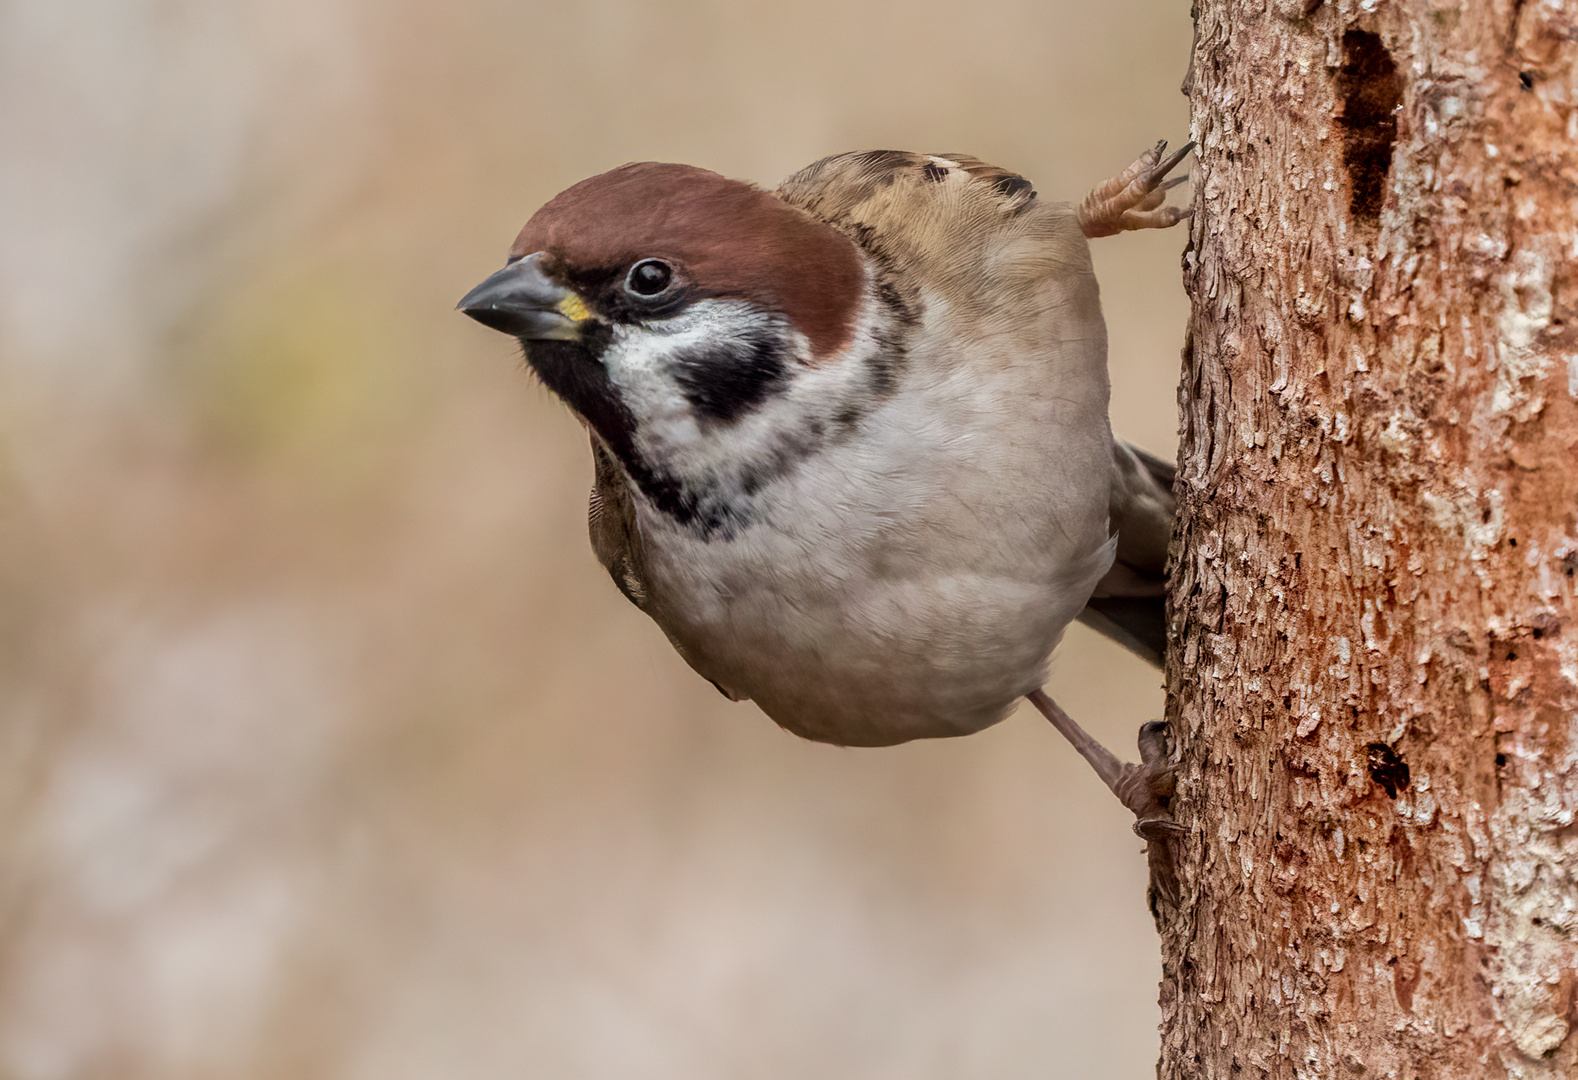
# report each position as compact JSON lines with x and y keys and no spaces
{"x":910,"y":583}
{"x":854,"y":643}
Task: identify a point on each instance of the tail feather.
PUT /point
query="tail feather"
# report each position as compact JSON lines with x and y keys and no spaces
{"x":1138,"y":623}
{"x":1130,"y":602}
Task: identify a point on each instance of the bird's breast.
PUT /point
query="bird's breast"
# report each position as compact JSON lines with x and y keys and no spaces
{"x":909,"y":583}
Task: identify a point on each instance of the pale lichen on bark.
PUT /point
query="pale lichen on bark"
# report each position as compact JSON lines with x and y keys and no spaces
{"x":1375,"y":679}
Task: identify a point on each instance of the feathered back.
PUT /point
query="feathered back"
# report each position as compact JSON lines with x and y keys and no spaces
{"x":974,"y":234}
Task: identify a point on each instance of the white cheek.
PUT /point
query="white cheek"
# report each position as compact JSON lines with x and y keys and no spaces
{"x":641,"y":360}
{"x":637,"y":362}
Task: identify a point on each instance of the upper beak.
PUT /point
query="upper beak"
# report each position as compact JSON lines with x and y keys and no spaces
{"x":520,"y":300}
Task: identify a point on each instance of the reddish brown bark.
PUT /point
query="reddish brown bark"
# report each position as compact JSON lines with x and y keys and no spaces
{"x":1375,"y":670}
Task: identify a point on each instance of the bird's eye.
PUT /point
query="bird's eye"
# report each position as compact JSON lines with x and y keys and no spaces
{"x":649,"y":277}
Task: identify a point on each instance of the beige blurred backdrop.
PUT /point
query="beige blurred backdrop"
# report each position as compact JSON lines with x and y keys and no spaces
{"x":327,"y":748}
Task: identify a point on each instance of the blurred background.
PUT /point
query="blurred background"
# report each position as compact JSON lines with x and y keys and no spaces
{"x":327,"y":748}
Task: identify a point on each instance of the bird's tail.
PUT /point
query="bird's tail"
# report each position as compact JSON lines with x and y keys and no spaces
{"x":1130,"y":602}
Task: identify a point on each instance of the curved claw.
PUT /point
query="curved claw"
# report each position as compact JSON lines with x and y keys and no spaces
{"x":1133,"y":199}
{"x":1157,"y":828}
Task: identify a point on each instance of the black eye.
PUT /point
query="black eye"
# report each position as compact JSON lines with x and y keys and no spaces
{"x":649,"y":277}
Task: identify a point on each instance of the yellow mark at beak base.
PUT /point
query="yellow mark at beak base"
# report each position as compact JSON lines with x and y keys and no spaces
{"x":572,"y":307}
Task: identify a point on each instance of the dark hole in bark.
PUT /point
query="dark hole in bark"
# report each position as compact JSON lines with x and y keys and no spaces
{"x":1371,"y":91}
{"x":1527,"y":79}
{"x":1387,"y":769}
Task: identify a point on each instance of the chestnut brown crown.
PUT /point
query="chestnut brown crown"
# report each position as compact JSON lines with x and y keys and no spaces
{"x":723,"y":238}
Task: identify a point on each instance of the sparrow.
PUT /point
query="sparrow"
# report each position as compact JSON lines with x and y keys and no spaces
{"x":850,"y":436}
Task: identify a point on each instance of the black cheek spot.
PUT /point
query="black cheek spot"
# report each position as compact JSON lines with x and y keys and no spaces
{"x":1387,"y":769}
{"x":726,"y":381}
{"x":1371,"y":92}
{"x":934,"y":172}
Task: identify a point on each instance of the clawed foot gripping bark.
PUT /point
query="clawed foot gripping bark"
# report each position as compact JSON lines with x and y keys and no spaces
{"x":1133,"y":199}
{"x":1145,"y":788}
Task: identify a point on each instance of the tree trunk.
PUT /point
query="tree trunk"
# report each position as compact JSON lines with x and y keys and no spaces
{"x":1374,"y":682}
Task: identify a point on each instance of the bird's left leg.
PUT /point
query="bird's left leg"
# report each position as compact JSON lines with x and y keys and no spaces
{"x":1133,"y":199}
{"x":1146,"y":789}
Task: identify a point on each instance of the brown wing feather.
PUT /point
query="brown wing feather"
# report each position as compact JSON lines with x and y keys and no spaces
{"x":937,"y":222}
{"x":611,"y":521}
{"x":1015,"y":191}
{"x":834,"y":188}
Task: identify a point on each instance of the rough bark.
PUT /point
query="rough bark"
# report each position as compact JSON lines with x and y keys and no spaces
{"x":1374,"y":681}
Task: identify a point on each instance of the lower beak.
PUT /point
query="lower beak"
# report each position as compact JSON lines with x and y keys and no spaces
{"x":520,"y":300}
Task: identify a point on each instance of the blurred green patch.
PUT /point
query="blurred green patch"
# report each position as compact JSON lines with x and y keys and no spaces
{"x":315,"y":376}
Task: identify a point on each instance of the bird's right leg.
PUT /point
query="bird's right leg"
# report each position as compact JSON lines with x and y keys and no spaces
{"x":1146,"y":789}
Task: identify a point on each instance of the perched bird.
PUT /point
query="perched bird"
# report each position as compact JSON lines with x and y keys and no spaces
{"x":850,"y":436}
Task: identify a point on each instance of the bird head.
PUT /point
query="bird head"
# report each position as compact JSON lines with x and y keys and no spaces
{"x":707,"y":332}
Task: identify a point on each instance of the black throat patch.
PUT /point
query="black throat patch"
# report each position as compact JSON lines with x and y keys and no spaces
{"x":572,"y":370}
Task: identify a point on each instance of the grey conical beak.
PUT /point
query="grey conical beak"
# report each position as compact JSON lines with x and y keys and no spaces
{"x":520,"y":300}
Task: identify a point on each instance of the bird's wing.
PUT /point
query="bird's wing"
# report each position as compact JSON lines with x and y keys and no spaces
{"x":956,"y":228}
{"x":611,"y":521}
{"x":839,"y":187}
{"x":1130,"y":604}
